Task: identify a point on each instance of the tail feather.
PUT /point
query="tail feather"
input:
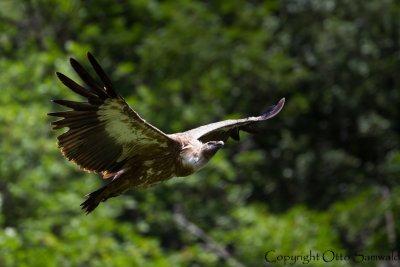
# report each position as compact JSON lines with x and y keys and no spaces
{"x":116,"y":187}
{"x":93,"y":200}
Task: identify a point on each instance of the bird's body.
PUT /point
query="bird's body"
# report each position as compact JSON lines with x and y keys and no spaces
{"x":106,"y":136}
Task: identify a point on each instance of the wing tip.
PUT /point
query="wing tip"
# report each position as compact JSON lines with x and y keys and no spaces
{"x":57,"y":101}
{"x":60,"y":76}
{"x":72,"y":61}
{"x":281,"y":103}
{"x":75,"y":65}
{"x":89,"y":55}
{"x":53,"y":114}
{"x":274,"y":110}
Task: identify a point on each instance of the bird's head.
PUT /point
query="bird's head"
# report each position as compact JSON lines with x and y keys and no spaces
{"x":210,"y":148}
{"x":196,"y":154}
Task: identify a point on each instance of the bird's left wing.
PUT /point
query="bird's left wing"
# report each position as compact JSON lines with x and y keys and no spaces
{"x":105,"y":132}
{"x":222,"y":130}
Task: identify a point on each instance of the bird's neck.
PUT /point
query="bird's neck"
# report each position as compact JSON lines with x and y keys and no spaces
{"x":191,"y":159}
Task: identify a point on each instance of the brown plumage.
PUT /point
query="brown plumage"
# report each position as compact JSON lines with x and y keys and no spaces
{"x":107,"y":137}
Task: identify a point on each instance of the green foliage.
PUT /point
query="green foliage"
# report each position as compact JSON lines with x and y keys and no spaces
{"x":322,"y":175}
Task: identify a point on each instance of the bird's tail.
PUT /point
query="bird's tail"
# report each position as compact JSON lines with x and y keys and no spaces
{"x":94,"y":199}
{"x":117,"y":186}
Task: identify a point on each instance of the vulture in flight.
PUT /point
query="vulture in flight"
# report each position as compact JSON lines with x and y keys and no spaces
{"x":106,"y":136}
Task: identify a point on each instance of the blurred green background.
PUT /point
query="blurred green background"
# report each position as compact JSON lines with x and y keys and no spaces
{"x":322,"y":175}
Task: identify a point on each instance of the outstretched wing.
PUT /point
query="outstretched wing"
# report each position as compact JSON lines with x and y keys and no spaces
{"x":104,"y":132}
{"x":222,"y":130}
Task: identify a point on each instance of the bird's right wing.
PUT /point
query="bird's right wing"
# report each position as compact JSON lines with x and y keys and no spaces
{"x":104,"y":132}
{"x":222,"y":130}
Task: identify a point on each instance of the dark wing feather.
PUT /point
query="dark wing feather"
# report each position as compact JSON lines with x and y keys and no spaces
{"x":103,"y":76}
{"x":104,"y":132}
{"x":85,"y":76}
{"x":222,"y":130}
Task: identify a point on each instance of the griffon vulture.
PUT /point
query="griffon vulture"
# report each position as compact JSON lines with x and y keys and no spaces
{"x":106,"y":136}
